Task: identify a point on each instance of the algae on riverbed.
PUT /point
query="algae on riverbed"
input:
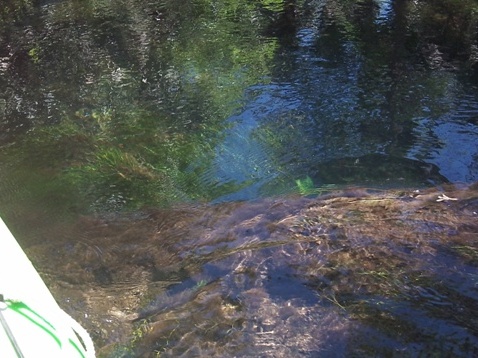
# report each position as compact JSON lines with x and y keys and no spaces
{"x":358,"y":272}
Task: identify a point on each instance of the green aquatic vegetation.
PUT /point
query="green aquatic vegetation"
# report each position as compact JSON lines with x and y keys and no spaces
{"x":201,"y":284}
{"x":306,"y":187}
{"x":469,"y":253}
{"x":115,"y":162}
{"x":33,"y":53}
{"x":122,"y":164}
{"x":138,"y":114}
{"x":140,"y":330}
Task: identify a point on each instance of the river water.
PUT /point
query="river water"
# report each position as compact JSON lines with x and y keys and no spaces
{"x":114,"y":110}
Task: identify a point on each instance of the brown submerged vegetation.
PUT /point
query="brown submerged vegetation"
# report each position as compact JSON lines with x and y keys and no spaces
{"x":357,"y":273}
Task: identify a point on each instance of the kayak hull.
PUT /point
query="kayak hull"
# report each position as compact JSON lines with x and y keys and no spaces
{"x":32,"y":324}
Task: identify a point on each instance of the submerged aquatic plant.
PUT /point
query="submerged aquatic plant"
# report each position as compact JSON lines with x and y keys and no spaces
{"x":306,"y":187}
{"x":399,"y":264}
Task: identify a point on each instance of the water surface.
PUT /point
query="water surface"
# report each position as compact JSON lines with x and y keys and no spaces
{"x":130,"y":104}
{"x":113,"y":110}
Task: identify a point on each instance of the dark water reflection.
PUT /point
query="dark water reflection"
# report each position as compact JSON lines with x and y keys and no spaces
{"x":112,"y":110}
{"x":226,"y":102}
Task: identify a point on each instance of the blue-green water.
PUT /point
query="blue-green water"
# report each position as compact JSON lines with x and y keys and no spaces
{"x":118,"y":109}
{"x":125,"y":104}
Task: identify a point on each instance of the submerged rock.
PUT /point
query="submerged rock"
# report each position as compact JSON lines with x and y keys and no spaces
{"x":379,"y":170}
{"x":356,"y":273}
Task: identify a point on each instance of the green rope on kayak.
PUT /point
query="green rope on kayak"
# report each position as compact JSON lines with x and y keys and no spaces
{"x":22,"y":309}
{"x":7,"y":329}
{"x":25,"y":311}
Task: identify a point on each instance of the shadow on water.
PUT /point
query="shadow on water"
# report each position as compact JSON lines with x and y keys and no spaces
{"x":378,"y":169}
{"x":353,"y":273}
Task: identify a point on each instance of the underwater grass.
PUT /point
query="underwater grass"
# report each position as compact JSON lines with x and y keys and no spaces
{"x":382,"y":271}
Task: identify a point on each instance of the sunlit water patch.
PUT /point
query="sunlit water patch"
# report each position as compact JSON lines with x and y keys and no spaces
{"x":385,"y":11}
{"x":451,"y":140}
